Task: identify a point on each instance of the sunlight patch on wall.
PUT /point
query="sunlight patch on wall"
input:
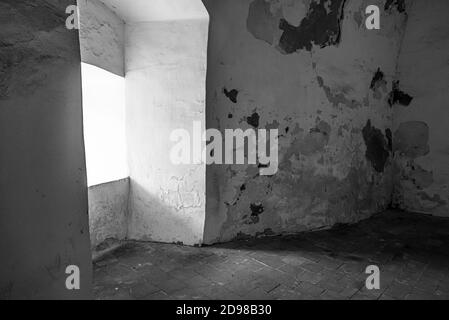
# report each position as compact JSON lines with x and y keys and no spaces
{"x":104,"y":125}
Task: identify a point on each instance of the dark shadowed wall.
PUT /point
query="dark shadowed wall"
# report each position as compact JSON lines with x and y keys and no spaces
{"x":421,"y":111}
{"x":43,"y":190}
{"x":313,"y":71}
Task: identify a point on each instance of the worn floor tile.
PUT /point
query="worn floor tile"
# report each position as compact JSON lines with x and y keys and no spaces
{"x":409,"y":249}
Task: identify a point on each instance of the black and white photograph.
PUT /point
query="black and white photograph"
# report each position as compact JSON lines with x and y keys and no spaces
{"x":226,"y":156}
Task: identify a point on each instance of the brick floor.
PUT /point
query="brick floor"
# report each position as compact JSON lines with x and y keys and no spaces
{"x":411,"y":251}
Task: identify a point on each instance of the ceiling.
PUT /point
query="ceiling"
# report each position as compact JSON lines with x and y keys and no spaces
{"x":157,"y":10}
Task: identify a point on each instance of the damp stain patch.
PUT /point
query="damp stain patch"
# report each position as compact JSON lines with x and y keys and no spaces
{"x":411,"y":139}
{"x":337,"y":98}
{"x":261,"y":22}
{"x":377,"y":146}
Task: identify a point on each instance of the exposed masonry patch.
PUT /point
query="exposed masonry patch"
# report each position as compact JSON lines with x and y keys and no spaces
{"x":321,"y":26}
{"x":231,"y":95}
{"x":398,"y":4}
{"x":376,"y":147}
{"x":398,"y":97}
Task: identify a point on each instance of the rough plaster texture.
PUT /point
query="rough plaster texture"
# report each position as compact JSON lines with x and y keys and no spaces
{"x":312,"y":70}
{"x":108,"y":211}
{"x":157,"y":10}
{"x":101,"y":36}
{"x":43,"y":194}
{"x":420,"y":132}
{"x":165,"y":90}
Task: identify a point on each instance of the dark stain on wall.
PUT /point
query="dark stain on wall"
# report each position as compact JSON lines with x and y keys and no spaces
{"x":378,"y":80}
{"x":389,"y":136}
{"x":231,"y":95}
{"x":256,"y":210}
{"x":399,"y":97}
{"x":398,"y":4}
{"x":376,"y":147}
{"x":321,"y":26}
{"x":253,"y":120}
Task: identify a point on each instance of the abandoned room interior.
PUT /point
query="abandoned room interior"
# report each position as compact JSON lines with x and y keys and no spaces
{"x":95,"y":96}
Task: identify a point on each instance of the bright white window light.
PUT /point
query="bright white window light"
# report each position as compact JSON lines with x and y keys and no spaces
{"x":104,"y":125}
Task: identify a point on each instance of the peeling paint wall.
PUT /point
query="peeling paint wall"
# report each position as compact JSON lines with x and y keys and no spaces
{"x":108,"y":211}
{"x":43,"y":190}
{"x":312,"y":70}
{"x":420,"y":140}
{"x":101,"y":36}
{"x":165,"y":90}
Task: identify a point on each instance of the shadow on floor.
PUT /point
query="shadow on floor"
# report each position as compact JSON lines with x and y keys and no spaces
{"x":410,"y":250}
